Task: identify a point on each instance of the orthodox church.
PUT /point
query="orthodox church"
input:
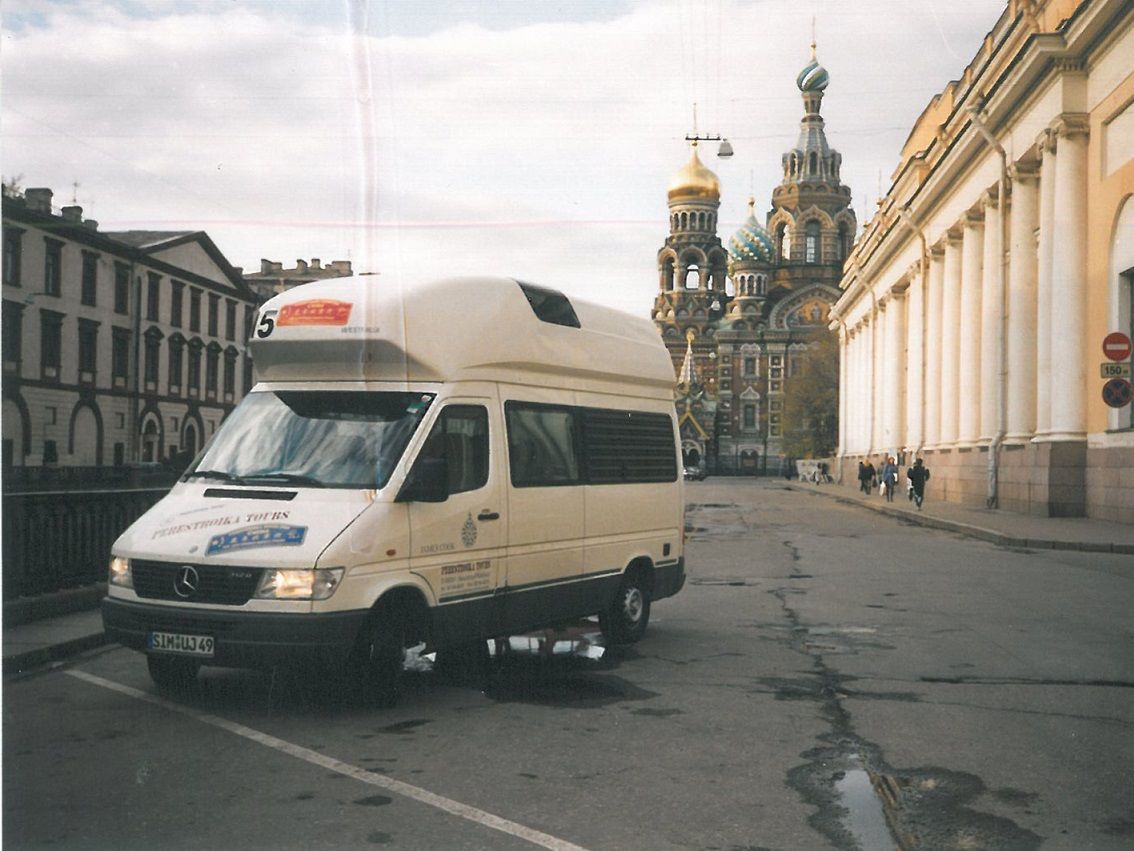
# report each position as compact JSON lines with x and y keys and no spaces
{"x":739,"y":321}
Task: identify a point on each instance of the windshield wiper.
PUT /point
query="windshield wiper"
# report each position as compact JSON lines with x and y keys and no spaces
{"x":213,"y":474}
{"x":284,"y":478}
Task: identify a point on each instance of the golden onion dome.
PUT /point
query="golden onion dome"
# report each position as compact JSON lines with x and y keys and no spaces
{"x":694,"y":182}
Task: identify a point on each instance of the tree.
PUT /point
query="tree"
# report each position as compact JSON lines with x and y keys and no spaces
{"x":811,"y":402}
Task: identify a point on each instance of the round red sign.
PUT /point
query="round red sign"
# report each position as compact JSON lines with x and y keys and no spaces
{"x":1116,"y":346}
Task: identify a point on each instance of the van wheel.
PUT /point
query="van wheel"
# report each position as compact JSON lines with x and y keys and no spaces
{"x":625,"y":620}
{"x":172,"y":674}
{"x":377,"y":667}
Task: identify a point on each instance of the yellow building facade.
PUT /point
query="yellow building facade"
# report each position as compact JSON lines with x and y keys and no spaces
{"x":975,"y":304}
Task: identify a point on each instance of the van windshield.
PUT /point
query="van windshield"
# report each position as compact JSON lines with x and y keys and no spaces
{"x":335,"y":439}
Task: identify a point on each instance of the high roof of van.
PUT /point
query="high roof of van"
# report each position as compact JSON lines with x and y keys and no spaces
{"x":371,"y":328}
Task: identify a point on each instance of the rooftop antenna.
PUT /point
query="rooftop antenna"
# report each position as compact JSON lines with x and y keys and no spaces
{"x":75,"y":192}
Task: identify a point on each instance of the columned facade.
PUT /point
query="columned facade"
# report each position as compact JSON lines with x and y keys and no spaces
{"x":994,"y":268}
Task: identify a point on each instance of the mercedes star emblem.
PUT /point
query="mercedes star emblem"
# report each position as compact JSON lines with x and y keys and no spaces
{"x":186,"y":582}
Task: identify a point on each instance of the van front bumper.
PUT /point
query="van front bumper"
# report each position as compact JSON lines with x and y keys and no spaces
{"x":241,"y":639}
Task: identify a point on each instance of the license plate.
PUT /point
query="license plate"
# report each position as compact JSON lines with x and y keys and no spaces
{"x":173,"y":642}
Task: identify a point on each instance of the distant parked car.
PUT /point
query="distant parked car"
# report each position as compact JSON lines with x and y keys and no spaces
{"x":695,"y":474}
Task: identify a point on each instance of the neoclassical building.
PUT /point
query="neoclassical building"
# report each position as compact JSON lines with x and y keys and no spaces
{"x":738,"y":321}
{"x":119,"y":348}
{"x":975,"y":304}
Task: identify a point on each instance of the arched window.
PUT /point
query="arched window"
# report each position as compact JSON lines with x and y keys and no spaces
{"x":667,"y":275}
{"x":813,"y":163}
{"x":843,"y":245}
{"x":761,"y":285}
{"x":684,"y":221}
{"x":692,"y":277}
{"x":783,"y":242}
{"x":811,"y":245}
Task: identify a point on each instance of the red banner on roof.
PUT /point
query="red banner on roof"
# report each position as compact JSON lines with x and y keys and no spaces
{"x":315,"y":312}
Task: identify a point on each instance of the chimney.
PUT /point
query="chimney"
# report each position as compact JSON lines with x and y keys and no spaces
{"x":265,"y":266}
{"x":72,"y":214}
{"x":301,"y":266}
{"x":38,"y":199}
{"x":316,"y":264}
{"x":90,"y":224}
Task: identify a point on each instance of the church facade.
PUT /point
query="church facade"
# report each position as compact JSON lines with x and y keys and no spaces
{"x":739,"y":320}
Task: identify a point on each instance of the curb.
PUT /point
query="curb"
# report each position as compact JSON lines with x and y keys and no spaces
{"x":25,"y":610}
{"x":990,"y":535}
{"x":17,"y":663}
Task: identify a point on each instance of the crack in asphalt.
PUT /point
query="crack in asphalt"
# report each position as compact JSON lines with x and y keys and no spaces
{"x":924,"y":807}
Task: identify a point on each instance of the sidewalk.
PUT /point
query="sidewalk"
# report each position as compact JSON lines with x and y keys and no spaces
{"x":1004,"y":528}
{"x":49,"y":629}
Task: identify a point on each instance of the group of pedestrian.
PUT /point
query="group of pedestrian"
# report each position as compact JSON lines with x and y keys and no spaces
{"x":885,"y":478}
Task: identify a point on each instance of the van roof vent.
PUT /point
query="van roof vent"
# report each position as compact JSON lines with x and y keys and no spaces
{"x":550,"y":305}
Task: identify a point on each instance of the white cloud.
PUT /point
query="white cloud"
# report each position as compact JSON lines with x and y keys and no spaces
{"x":541,"y":148}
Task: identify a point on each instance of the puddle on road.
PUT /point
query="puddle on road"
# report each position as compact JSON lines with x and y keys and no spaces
{"x":866,"y":819}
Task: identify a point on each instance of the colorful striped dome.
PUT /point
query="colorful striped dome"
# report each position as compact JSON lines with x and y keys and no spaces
{"x":813,"y":78}
{"x":752,"y":242}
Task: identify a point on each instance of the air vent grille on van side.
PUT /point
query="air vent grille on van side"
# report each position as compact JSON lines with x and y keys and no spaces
{"x":550,"y":305}
{"x":628,"y":446}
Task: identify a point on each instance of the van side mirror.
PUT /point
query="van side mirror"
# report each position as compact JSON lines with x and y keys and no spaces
{"x":428,"y":481}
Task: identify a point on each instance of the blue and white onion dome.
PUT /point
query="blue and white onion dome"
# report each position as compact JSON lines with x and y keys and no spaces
{"x":813,"y":78}
{"x":752,"y":243}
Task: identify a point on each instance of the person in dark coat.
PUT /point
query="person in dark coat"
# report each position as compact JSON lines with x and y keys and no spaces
{"x":918,"y":475}
{"x":866,"y":476}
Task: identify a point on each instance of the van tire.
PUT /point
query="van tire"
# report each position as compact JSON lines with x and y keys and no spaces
{"x":376,"y":668}
{"x":172,"y":674}
{"x":625,"y":619}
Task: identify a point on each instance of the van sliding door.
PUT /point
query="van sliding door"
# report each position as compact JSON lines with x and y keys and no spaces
{"x":545,"y":515}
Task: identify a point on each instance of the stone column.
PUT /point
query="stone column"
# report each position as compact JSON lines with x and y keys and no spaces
{"x":1047,"y":239}
{"x":933,"y":352}
{"x":991,"y":320}
{"x":881,"y":351}
{"x":1069,"y":274}
{"x":968,"y":377}
{"x":1021,"y":333}
{"x":844,"y":353}
{"x":914,"y":434}
{"x":950,"y":339}
{"x":896,"y":370}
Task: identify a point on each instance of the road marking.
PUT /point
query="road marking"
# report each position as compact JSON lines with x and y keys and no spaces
{"x":406,"y":790}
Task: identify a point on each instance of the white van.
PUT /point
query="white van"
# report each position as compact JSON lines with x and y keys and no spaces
{"x":461,"y":460}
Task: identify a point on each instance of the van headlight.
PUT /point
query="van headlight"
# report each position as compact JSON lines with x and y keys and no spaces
{"x":120,"y":572}
{"x":299,"y":584}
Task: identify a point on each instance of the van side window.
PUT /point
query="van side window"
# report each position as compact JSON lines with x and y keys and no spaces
{"x":460,"y":435}
{"x":542,"y":444}
{"x":623,"y":447}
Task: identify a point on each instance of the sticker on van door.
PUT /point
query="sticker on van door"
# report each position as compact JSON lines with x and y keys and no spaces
{"x":468,"y":532}
{"x":472,"y":576}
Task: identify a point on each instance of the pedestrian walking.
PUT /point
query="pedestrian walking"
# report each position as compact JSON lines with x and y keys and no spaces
{"x":890,"y":477}
{"x":866,"y":476}
{"x":918,"y":475}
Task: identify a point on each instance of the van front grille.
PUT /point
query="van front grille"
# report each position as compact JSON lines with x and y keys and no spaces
{"x":194,"y":583}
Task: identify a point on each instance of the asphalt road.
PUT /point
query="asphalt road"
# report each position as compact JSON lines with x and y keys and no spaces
{"x":829,"y":678}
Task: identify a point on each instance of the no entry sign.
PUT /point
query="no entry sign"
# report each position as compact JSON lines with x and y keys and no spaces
{"x":1116,"y":346}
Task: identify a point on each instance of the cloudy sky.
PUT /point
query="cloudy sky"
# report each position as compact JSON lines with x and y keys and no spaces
{"x":533,"y":138}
